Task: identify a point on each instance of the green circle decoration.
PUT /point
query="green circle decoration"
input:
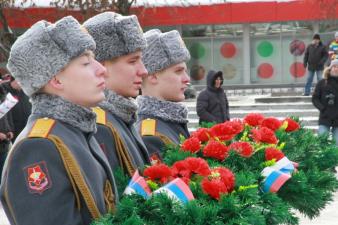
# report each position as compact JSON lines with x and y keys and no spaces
{"x":265,"y":49}
{"x":197,"y":50}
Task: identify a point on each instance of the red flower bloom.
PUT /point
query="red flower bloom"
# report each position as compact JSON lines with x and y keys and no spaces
{"x":236,"y":125}
{"x":191,"y":144}
{"x":223,"y":131}
{"x":264,"y":135}
{"x":202,"y":134}
{"x":221,"y":181}
{"x":185,"y":168}
{"x":292,"y":125}
{"x":215,"y":149}
{"x":243,"y":148}
{"x":254,"y":119}
{"x":158,"y":172}
{"x":198,"y":166}
{"x":214,"y":187}
{"x":272,"y":123}
{"x":273,"y":153}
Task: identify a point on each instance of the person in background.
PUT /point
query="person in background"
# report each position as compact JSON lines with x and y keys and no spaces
{"x":314,"y":59}
{"x":212,"y":104}
{"x":161,"y":117}
{"x":325,"y":99}
{"x":55,"y":172}
{"x":120,"y":43}
{"x":21,"y":111}
{"x":6,"y":132}
{"x":333,"y":48}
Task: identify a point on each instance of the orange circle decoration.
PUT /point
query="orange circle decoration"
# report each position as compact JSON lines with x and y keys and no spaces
{"x":265,"y":70}
{"x":297,"y":70}
{"x":228,"y":50}
{"x":197,"y":72}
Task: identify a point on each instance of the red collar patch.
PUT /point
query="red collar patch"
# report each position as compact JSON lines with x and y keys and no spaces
{"x":37,"y":178}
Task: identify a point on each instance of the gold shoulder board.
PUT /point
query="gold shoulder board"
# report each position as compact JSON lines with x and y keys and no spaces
{"x":148,"y":127}
{"x":41,"y":128}
{"x":100,"y":115}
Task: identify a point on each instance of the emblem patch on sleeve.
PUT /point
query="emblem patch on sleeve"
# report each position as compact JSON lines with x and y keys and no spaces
{"x":37,"y":178}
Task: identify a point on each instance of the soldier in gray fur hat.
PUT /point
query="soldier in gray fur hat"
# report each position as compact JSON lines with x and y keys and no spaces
{"x":161,"y":118}
{"x":119,"y":40}
{"x":56,"y":172}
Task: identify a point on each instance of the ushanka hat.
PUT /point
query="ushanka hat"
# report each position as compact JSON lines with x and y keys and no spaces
{"x":45,"y":49}
{"x":115,"y":35}
{"x":163,"y":50}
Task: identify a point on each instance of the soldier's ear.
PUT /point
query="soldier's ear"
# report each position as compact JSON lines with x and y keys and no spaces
{"x":56,"y":83}
{"x":152,"y":78}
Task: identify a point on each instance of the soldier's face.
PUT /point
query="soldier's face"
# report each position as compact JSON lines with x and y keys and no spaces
{"x":125,"y":73}
{"x":172,"y":82}
{"x":82,"y":81}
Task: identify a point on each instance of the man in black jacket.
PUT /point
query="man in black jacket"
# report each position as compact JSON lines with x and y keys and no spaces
{"x":314,"y":59}
{"x":212,"y":103}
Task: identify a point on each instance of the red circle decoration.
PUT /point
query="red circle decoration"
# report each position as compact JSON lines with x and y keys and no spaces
{"x":228,"y":50}
{"x":265,"y":70}
{"x":297,"y":70}
{"x":297,"y":47}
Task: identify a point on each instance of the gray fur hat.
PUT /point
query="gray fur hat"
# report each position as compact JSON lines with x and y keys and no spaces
{"x":334,"y":62}
{"x":163,"y":50}
{"x":45,"y":49}
{"x":115,"y":35}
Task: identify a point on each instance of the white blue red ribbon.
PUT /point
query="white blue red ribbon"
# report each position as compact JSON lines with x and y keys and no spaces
{"x":178,"y":190}
{"x":277,"y":175}
{"x":138,"y":185}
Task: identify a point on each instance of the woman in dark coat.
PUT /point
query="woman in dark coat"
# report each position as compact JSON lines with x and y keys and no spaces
{"x":325,"y":99}
{"x":212,"y":102}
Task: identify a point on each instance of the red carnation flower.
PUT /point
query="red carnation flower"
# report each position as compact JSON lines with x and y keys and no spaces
{"x":227,"y":177}
{"x":192,"y":145}
{"x":221,"y":181}
{"x":254,"y":119}
{"x":236,"y":125}
{"x":292,"y":125}
{"x":198,"y":166}
{"x":223,"y":131}
{"x":158,"y":172}
{"x":185,"y":168}
{"x":264,"y":135}
{"x":243,"y":148}
{"x":202,"y":134}
{"x":273,"y":153}
{"x":215,"y":149}
{"x":272,"y":123}
{"x":214,"y":187}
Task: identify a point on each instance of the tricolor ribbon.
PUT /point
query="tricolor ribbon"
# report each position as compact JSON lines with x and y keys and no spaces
{"x":138,"y":185}
{"x":277,"y":175}
{"x":176,"y":189}
{"x":9,"y":103}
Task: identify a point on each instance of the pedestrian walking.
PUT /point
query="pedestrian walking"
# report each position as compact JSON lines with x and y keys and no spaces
{"x":119,"y":40}
{"x":212,"y":104}
{"x":56,"y":172}
{"x":325,"y":99}
{"x":161,"y":117}
{"x":314,"y":60}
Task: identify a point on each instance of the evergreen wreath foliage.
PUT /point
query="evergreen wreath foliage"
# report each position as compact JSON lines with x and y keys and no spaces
{"x":308,"y":191}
